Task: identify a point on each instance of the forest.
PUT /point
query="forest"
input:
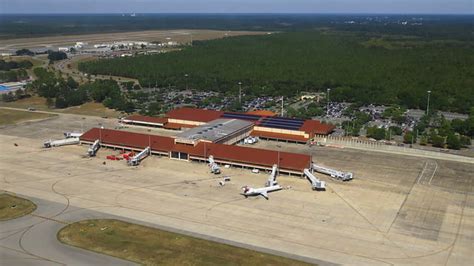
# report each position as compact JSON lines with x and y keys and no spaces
{"x":63,"y":93}
{"x":11,"y":71}
{"x":388,"y":69}
{"x":433,"y":26}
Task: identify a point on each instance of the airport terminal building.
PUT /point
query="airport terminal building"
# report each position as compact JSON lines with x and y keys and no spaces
{"x":263,"y":125}
{"x":189,"y":148}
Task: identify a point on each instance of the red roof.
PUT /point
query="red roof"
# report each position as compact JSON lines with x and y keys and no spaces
{"x":246,"y":155}
{"x":273,"y":135}
{"x":311,"y":127}
{"x":261,"y":113}
{"x":177,"y":126}
{"x":148,"y":119}
{"x":316,"y":127}
{"x":194,"y":114}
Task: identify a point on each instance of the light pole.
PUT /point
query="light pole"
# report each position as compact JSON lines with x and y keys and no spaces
{"x":327,"y":98}
{"x":428,"y":103}
{"x":186,"y":78}
{"x":282,"y":105}
{"x":240,"y":92}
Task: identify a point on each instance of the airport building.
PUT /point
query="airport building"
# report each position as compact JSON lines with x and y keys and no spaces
{"x":265,"y":125}
{"x":222,"y":131}
{"x":11,"y":87}
{"x":199,"y":147}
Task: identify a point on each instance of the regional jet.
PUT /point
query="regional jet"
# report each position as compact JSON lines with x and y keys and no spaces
{"x":250,"y":192}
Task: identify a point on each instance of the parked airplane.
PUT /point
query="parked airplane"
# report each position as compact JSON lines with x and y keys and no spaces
{"x":72,"y":135}
{"x":250,"y":192}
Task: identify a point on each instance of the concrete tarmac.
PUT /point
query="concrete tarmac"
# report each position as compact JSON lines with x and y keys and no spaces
{"x":397,"y":210}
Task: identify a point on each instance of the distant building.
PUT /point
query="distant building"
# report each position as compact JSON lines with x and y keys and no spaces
{"x":11,"y":87}
{"x":80,"y":45}
{"x":312,"y":96}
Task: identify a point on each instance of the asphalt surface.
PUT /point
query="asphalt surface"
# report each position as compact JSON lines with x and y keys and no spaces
{"x":31,"y":239}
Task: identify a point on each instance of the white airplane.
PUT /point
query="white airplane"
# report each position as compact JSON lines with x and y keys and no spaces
{"x":250,"y":192}
{"x":72,"y":135}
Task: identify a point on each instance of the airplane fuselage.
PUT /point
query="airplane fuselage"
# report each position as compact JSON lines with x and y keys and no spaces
{"x":250,"y":192}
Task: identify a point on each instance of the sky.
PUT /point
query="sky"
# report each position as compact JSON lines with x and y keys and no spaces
{"x":239,"y":6}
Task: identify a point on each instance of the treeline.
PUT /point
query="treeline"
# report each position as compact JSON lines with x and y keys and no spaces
{"x":62,"y":93}
{"x":11,"y":71}
{"x":288,"y":63}
{"x":13,"y":75}
{"x":433,"y":129}
{"x":439,"y":26}
{"x":8,"y":65}
{"x":440,"y":132}
{"x":56,"y":56}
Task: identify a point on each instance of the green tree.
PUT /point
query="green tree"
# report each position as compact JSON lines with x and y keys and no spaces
{"x":465,"y":140}
{"x":453,"y":142}
{"x":423,"y":140}
{"x":71,"y":83}
{"x":409,"y":137}
{"x":376,"y":133}
{"x":24,"y":52}
{"x":396,"y":130}
{"x":438,"y":141}
{"x":56,"y":56}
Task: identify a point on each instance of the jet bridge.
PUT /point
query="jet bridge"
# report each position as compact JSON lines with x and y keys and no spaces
{"x":215,"y":169}
{"x":92,"y":151}
{"x":61,"y":142}
{"x":316,"y":184}
{"x":135,"y":160}
{"x":272,"y":178}
{"x":344,"y":176}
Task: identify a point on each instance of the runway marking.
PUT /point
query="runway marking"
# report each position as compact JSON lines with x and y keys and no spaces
{"x":422,"y":172}
{"x":428,"y":173}
{"x":436,"y":168}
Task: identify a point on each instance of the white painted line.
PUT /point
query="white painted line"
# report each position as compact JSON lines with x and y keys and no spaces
{"x":422,"y":172}
{"x":436,"y":168}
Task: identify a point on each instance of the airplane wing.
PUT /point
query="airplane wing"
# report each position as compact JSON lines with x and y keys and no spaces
{"x":264,"y":194}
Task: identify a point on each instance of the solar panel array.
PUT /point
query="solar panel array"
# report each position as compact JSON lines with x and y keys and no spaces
{"x":241,"y":116}
{"x":282,"y":122}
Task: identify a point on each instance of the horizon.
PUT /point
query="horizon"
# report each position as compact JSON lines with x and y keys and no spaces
{"x":408,"y":7}
{"x":246,"y":13}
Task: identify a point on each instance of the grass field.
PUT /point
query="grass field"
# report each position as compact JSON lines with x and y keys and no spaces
{"x":12,"y":207}
{"x":151,"y":246}
{"x":10,"y":117}
{"x":39,"y":103}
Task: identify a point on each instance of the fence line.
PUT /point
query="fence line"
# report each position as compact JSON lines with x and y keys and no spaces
{"x":381,"y":147}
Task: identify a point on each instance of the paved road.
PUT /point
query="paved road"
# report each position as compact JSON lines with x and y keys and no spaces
{"x":31,"y":240}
